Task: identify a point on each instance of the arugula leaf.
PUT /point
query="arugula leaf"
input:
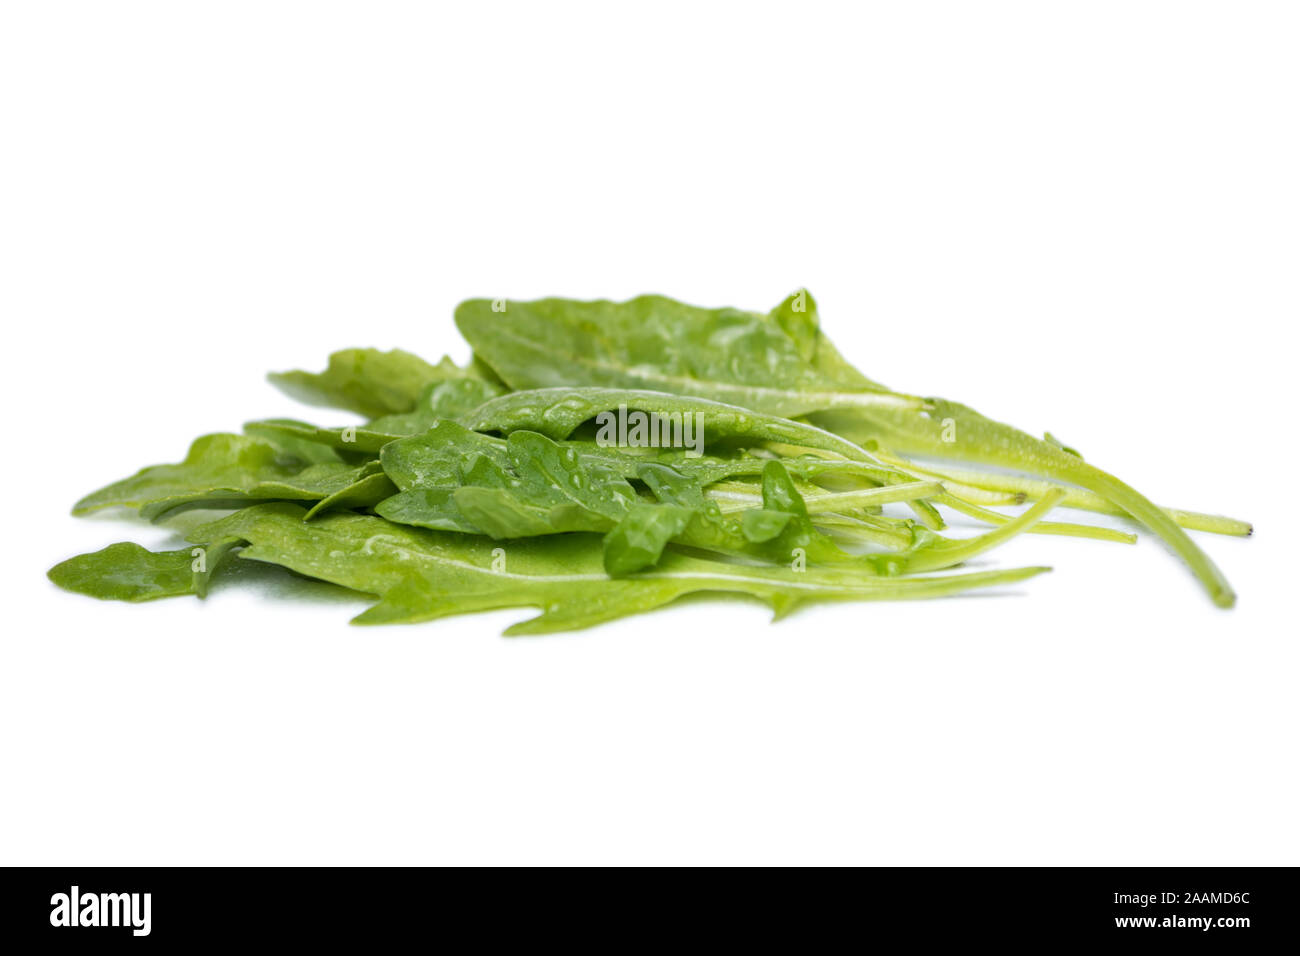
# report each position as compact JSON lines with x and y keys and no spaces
{"x":222,"y":470}
{"x":984,"y":441}
{"x":557,"y":413}
{"x":441,"y":456}
{"x":128,"y":572}
{"x":460,"y":495}
{"x":454,"y":479}
{"x":381,"y":385}
{"x":370,"y":487}
{"x":656,"y":343}
{"x":439,"y":400}
{"x":778,"y":364}
{"x":368,"y":381}
{"x":529,"y":485}
{"x":422,"y":575}
{"x":348,"y":441}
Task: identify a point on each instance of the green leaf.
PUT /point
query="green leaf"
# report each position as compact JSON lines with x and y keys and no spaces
{"x":449,"y":399}
{"x":988,"y":442}
{"x":529,"y":485}
{"x":755,"y":360}
{"x":442,"y":399}
{"x":557,"y":413}
{"x":771,"y":364}
{"x":222,"y":470}
{"x":779,"y":492}
{"x":368,"y":381}
{"x":761,"y":525}
{"x":639,"y":538}
{"x":353,"y":442}
{"x":422,"y":575}
{"x":367,"y":490}
{"x":128,"y":572}
{"x":454,"y":479}
{"x":758,"y":463}
{"x":441,"y":456}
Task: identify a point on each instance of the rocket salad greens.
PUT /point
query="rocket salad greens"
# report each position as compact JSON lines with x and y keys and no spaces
{"x":598,"y":459}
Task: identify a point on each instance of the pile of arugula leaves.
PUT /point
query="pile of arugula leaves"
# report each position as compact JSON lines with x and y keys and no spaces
{"x":496,"y":484}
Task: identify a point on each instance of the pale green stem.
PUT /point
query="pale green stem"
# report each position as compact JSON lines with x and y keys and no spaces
{"x":1068,"y":529}
{"x":985,"y":488}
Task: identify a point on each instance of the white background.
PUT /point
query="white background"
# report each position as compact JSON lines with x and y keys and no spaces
{"x":1076,"y":217}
